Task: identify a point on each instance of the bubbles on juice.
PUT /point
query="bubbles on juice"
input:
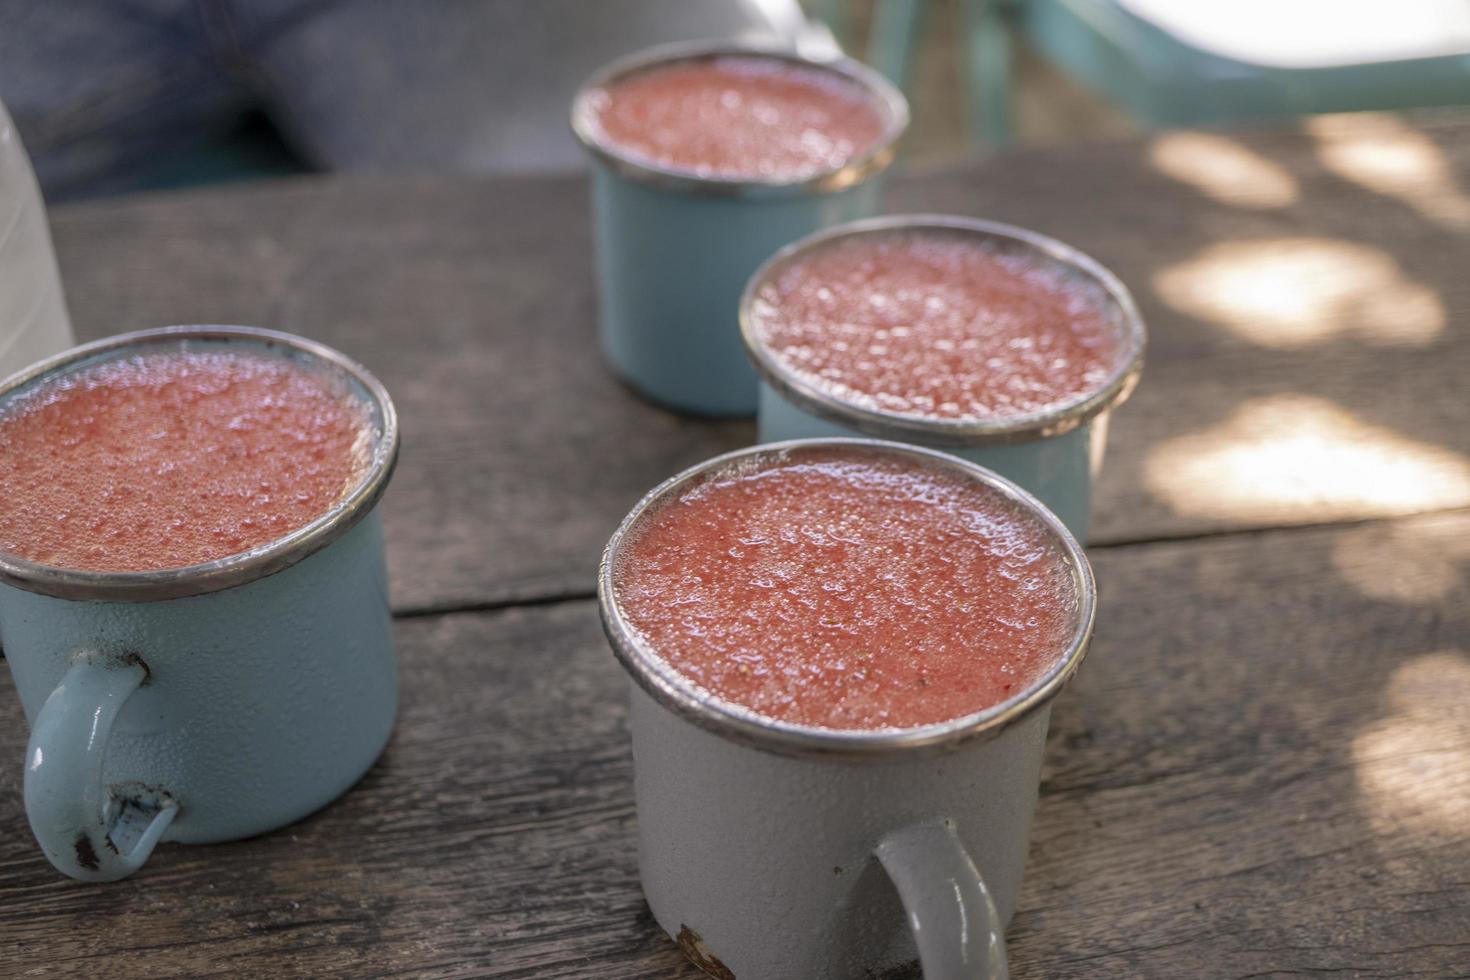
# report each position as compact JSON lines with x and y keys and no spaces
{"x":169,"y":459}
{"x":847,"y":591}
{"x":739,"y":117}
{"x":932,"y":324}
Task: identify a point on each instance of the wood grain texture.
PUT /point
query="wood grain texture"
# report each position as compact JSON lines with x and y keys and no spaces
{"x":473,"y":300}
{"x":1261,"y":771}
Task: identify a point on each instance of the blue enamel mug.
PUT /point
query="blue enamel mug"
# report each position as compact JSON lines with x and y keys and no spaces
{"x":674,"y":249}
{"x":1055,"y":454}
{"x":211,"y":702}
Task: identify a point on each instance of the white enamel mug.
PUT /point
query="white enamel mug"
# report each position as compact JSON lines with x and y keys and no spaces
{"x":772,"y":851}
{"x":1056,"y":454}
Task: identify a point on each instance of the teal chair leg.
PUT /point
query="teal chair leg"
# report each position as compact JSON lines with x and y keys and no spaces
{"x":985,"y":54}
{"x":896,"y":25}
{"x":988,"y":71}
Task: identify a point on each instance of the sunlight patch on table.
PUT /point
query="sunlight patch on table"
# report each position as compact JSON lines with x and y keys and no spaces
{"x":1413,"y":766}
{"x":1386,"y":155}
{"x":1224,"y":170}
{"x":1295,"y":292}
{"x":1296,"y":457}
{"x":1413,"y":564}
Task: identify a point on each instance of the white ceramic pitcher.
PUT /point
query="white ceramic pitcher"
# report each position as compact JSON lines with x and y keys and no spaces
{"x":33,"y":320}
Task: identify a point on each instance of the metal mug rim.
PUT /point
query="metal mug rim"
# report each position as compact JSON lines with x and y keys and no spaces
{"x":950,"y":432}
{"x":889,"y":101}
{"x":743,"y":726}
{"x":233,"y":570}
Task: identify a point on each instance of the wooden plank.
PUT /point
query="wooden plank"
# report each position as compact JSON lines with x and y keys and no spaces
{"x":1260,"y":771}
{"x":473,"y":300}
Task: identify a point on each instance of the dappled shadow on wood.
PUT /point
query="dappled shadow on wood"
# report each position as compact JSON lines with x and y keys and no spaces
{"x":1294,"y":458}
{"x":1249,"y":776}
{"x":1285,"y":274}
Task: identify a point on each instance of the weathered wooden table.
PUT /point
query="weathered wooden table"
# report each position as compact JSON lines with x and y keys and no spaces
{"x":1264,"y":769}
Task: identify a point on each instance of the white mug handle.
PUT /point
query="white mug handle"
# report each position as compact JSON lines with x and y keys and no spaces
{"x":950,"y":911}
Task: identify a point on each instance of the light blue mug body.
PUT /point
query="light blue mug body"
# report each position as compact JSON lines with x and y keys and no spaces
{"x":671,"y":266}
{"x":674,"y":250}
{"x":1055,"y":454}
{"x":1060,"y":470}
{"x":207,"y":703}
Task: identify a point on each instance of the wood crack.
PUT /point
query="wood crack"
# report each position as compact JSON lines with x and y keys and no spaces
{"x":496,"y":605}
{"x":1112,"y":544}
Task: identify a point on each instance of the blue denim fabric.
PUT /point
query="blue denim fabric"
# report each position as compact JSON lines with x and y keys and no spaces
{"x":102,"y":90}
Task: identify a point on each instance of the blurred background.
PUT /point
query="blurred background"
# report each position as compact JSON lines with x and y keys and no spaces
{"x":112,"y":96}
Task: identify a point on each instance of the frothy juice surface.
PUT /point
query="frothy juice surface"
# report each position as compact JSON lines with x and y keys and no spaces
{"x":934,"y":324}
{"x":738,"y":117}
{"x":171,"y":458}
{"x":843,"y":590}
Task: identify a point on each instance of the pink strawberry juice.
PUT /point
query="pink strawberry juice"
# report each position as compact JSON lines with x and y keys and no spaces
{"x":848,"y":590}
{"x":166,"y":459}
{"x":738,"y":117}
{"x":932,"y":323}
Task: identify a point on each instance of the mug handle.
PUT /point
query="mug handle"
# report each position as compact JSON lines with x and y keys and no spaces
{"x":88,"y":830}
{"x":951,"y":913}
